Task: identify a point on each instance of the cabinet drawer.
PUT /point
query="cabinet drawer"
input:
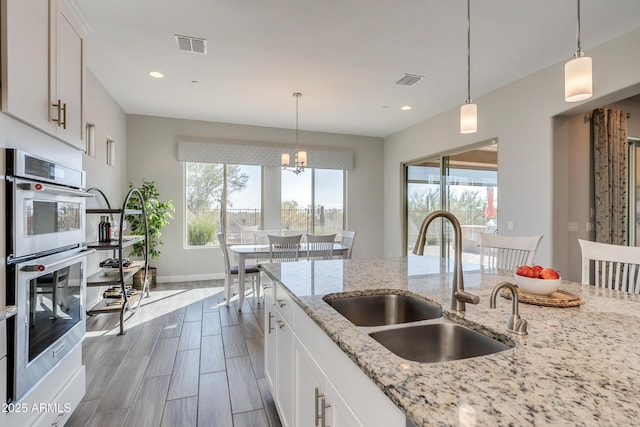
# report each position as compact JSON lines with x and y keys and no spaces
{"x":284,"y":303}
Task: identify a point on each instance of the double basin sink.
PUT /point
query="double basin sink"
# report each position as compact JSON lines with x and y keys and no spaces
{"x":439,"y":340}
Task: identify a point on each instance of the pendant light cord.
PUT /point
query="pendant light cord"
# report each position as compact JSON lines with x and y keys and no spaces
{"x":297,"y":95}
{"x":469,"y":51}
{"x":579,"y":52}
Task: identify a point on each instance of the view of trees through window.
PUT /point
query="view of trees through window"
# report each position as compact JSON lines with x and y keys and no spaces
{"x":313,"y":201}
{"x":222,"y":197}
{"x":470,"y":193}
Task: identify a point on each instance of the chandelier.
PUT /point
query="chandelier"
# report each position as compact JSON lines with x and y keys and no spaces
{"x":300,"y":157}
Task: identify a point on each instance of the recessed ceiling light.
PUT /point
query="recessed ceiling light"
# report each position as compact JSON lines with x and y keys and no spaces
{"x":405,"y":107}
{"x":156,"y":74}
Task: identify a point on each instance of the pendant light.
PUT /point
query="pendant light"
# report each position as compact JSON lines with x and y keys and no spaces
{"x":300,"y":157}
{"x":468,"y":110}
{"x":578,"y":84}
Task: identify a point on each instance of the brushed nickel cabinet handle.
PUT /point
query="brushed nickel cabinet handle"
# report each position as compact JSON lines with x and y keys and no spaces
{"x":64,"y":115}
{"x":271,"y":328}
{"x":58,"y":106}
{"x":317,"y":414}
{"x":324,"y":407}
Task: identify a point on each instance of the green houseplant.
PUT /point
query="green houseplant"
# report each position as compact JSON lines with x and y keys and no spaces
{"x":159,"y":215}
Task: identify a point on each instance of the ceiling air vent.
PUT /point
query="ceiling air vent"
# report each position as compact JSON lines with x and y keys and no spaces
{"x":409,"y":80}
{"x":191,"y":44}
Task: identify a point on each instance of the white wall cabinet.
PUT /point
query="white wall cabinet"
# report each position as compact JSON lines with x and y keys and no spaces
{"x":42,"y":72}
{"x":314,"y":382}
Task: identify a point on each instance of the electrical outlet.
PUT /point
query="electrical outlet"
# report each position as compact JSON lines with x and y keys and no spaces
{"x":510,"y":225}
{"x":588,"y":226}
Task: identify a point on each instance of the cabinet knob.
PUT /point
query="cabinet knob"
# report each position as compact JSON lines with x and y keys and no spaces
{"x":280,"y":303}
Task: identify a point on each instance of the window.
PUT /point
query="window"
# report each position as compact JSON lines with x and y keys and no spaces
{"x":225,"y":198}
{"x":313,"y":201}
{"x":463,"y":183}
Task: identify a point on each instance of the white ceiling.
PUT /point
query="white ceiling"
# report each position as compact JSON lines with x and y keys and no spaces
{"x":343,"y":55}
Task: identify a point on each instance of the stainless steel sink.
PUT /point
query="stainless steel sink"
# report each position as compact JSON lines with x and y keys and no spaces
{"x":438,"y":342}
{"x":387,"y":309}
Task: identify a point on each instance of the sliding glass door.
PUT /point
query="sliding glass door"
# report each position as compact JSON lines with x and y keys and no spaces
{"x":463,"y":183}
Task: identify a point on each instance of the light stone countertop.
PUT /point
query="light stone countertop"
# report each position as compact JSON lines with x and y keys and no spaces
{"x":577,"y":366}
{"x":7,"y":311}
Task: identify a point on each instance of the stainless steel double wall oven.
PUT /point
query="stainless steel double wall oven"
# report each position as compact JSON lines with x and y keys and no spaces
{"x":46,"y":266}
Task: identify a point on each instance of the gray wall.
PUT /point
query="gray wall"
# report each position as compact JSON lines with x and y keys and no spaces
{"x":152,"y":153}
{"x":521,"y":116}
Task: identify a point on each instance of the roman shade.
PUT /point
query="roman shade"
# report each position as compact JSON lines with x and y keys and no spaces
{"x":261,"y":154}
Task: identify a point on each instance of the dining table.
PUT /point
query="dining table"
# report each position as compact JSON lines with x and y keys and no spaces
{"x":261,"y":251}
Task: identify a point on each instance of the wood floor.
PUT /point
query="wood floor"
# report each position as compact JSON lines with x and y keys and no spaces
{"x":186,"y":360}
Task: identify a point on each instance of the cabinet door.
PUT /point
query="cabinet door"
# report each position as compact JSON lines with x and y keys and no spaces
{"x":310,"y":389}
{"x":285,"y":370}
{"x":269,"y":339}
{"x":68,"y":74}
{"x":25,"y":61}
{"x":339,"y":414}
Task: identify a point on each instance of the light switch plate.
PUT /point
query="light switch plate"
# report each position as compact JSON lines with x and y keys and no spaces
{"x":510,"y":225}
{"x":573,"y":226}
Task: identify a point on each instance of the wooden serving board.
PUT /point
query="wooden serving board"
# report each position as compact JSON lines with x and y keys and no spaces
{"x":559,"y":298}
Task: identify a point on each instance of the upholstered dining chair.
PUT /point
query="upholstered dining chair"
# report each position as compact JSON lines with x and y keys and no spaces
{"x":320,"y":246}
{"x":507,"y":252}
{"x":614,"y":266}
{"x":347,"y":238}
{"x":284,"y":248}
{"x":231,"y":272}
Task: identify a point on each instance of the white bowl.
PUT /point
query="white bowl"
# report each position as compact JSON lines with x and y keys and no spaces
{"x":543,"y":287}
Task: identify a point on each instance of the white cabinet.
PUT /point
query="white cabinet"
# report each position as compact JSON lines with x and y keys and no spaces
{"x":43,"y":77}
{"x":269,"y":338}
{"x":319,"y":403}
{"x":313,"y":382}
{"x":279,"y":359}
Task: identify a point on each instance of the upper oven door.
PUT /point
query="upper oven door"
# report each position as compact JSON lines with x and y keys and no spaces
{"x":44,"y":217}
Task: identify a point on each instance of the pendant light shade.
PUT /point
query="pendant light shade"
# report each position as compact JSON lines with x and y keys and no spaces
{"x":578,"y":84}
{"x":468,"y":118}
{"x":578,"y":81}
{"x":468,"y":110}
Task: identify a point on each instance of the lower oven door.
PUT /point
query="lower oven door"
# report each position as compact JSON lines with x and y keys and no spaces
{"x":48,"y":293}
{"x":43,"y":217}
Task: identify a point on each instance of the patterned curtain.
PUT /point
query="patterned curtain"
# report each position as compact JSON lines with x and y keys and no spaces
{"x":610,"y":171}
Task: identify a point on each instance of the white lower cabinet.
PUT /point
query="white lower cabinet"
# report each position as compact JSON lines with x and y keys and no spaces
{"x":319,"y":403}
{"x":312,"y":381}
{"x":279,"y":360}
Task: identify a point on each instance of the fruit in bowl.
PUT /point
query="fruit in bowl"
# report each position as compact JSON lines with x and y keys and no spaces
{"x":537,"y":280}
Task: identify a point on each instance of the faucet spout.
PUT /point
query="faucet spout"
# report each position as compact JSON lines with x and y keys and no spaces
{"x":515,"y":324}
{"x":458,"y":295}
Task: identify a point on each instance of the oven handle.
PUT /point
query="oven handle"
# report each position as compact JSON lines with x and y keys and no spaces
{"x":37,"y":186}
{"x":45,"y":267}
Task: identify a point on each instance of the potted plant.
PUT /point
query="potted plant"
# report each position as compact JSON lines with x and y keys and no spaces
{"x":158,"y":217}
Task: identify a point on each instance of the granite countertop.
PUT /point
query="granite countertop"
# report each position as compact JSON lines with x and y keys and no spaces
{"x":577,"y":366}
{"x":7,"y":311}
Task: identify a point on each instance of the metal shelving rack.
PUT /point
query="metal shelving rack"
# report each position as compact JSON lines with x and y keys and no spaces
{"x":131,"y":302}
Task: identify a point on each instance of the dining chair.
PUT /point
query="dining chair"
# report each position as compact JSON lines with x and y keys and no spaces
{"x":507,"y":252}
{"x":260,"y":236}
{"x":320,"y":246}
{"x":284,"y":248}
{"x":616,"y":267}
{"x":347,"y":238}
{"x":231,"y":272}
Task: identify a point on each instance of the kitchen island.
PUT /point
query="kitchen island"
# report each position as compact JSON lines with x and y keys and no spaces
{"x":577,"y":366}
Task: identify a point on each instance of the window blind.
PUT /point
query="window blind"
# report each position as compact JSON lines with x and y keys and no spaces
{"x":262,"y":154}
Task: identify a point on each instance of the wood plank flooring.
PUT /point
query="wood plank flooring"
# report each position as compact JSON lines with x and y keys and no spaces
{"x":186,"y":360}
